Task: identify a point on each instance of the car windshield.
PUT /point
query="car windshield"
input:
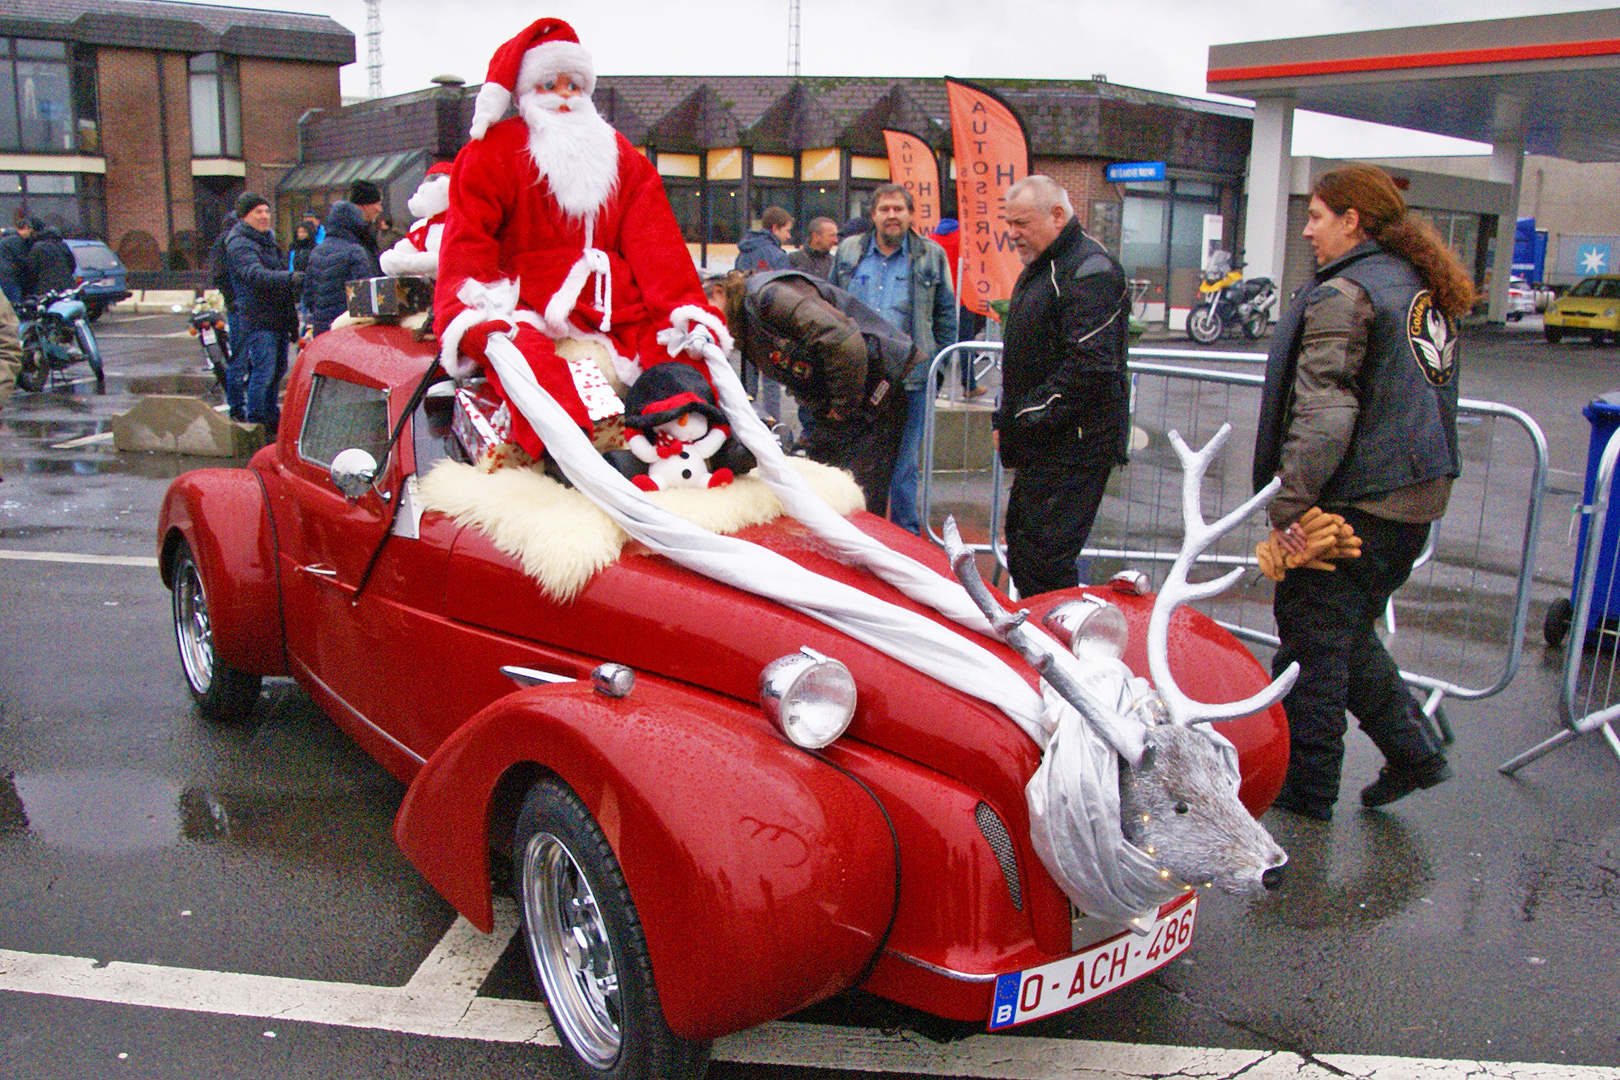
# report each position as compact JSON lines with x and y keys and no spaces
{"x":1601,"y":288}
{"x":95,"y":257}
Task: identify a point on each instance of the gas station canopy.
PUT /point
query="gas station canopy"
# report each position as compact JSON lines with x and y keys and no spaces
{"x":1547,"y":84}
{"x":1551,"y":82}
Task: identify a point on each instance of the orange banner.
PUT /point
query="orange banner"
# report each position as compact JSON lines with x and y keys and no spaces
{"x":992,"y":154}
{"x":913,"y":166}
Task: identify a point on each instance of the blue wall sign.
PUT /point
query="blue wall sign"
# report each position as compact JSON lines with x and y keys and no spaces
{"x":1136,"y":170}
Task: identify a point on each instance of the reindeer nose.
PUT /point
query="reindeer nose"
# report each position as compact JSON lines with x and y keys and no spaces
{"x":1274,"y":876}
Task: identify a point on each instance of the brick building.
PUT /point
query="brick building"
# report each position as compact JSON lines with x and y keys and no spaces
{"x":727,"y":147}
{"x":141,"y":121}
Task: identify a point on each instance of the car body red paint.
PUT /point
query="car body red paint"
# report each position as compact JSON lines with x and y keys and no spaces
{"x":767,"y":877}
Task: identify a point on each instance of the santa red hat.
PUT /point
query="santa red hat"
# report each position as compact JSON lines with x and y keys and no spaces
{"x":545,"y":48}
{"x":440,"y":168}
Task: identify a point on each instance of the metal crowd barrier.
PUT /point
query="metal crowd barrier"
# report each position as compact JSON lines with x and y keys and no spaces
{"x":1587,"y":698}
{"x":1461,"y":616}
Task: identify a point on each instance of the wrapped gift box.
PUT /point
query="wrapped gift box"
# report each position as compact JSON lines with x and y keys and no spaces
{"x":389,"y":297}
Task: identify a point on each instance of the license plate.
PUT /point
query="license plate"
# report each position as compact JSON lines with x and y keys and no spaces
{"x":1022,"y":996}
{"x":208,"y":335}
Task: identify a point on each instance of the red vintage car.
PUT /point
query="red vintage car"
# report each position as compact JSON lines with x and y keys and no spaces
{"x":684,"y":869}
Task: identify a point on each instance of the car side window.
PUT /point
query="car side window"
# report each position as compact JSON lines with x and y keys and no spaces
{"x":340,"y":415}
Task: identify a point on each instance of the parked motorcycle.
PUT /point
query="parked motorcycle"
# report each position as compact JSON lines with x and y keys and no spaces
{"x":54,"y":329}
{"x":208,"y":326}
{"x":1226,"y":301}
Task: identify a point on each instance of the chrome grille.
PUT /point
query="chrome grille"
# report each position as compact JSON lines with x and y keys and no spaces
{"x":995,"y":834}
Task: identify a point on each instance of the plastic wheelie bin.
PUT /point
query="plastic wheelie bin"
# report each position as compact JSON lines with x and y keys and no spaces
{"x":1604,"y":414}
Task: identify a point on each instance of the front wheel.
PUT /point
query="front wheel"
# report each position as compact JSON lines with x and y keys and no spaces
{"x":1254,"y":326}
{"x":92,"y":352}
{"x":1204,"y":324}
{"x":1553,"y":334}
{"x":587,"y":949}
{"x":1560,"y":613}
{"x":222,"y":693}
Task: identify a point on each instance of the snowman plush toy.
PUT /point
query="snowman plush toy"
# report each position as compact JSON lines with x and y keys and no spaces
{"x":673,"y":425}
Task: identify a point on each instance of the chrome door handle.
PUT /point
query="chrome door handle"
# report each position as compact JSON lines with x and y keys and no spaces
{"x":319,"y":570}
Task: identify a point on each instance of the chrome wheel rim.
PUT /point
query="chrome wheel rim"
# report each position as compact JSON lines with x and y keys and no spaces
{"x":568,"y":941}
{"x":192,"y":629}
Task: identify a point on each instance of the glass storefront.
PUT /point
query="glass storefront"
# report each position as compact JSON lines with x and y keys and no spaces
{"x":1162,"y":226}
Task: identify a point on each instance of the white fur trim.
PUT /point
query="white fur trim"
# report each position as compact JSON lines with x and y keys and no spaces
{"x":684,"y":316}
{"x":491,"y":104}
{"x":562,"y":539}
{"x":567,"y":295}
{"x":555,"y":58}
{"x":403,"y":259}
{"x":483,"y":302}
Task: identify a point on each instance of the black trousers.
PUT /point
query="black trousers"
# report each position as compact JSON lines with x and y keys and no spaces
{"x":866,"y":448}
{"x":1050,"y":512}
{"x":1325,"y":620}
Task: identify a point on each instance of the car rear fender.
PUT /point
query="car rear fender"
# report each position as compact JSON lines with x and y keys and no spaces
{"x":764,"y":876}
{"x":224,"y":516}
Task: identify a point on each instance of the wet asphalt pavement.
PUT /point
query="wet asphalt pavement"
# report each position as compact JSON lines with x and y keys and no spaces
{"x":1471,"y":921}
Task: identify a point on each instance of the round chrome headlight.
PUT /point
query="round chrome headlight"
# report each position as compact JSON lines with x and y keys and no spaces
{"x":809,"y":696}
{"x":1091,"y":627}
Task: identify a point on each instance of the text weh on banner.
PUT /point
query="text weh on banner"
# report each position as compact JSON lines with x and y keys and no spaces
{"x":992,"y":154}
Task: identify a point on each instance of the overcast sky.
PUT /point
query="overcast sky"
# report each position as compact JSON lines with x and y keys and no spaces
{"x":1154,"y":44}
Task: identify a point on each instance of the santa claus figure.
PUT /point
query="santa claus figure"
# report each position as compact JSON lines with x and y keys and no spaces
{"x":558,"y":228}
{"x":418,"y":251}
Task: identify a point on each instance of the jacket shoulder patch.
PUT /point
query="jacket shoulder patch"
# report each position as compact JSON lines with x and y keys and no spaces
{"x":1094,"y":264}
{"x":1433,"y":337}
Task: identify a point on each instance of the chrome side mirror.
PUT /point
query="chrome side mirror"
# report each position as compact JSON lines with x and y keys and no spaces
{"x":353,"y":470}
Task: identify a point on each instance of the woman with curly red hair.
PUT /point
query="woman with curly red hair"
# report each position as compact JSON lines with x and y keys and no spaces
{"x":1359,"y":417}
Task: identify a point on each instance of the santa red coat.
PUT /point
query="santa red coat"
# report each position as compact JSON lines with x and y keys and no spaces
{"x":504,"y":224}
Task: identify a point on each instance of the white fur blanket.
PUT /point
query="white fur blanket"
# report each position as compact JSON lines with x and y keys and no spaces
{"x":562,"y":538}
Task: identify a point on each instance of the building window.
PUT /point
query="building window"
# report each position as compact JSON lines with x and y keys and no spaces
{"x":72,"y":204}
{"x":216,"y":106}
{"x":36,"y":97}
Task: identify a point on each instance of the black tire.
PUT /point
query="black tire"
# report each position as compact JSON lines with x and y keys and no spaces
{"x":35,"y":371}
{"x":1556,"y":625}
{"x":1254,"y":327}
{"x":1553,"y":334}
{"x":92,"y":353}
{"x":222,"y":693}
{"x":216,"y":363}
{"x":1204,"y":324}
{"x":570,"y":890}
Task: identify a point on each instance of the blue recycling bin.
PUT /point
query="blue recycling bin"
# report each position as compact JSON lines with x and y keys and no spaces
{"x":1604,"y":415}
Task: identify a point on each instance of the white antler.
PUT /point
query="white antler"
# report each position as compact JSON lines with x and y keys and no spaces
{"x":1177,"y":590}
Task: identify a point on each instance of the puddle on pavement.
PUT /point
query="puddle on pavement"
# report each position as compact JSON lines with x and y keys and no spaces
{"x":50,"y":429}
{"x":121,"y":811}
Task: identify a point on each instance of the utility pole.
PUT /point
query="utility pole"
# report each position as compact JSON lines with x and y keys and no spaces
{"x":793,"y":38}
{"x":374,"y":47}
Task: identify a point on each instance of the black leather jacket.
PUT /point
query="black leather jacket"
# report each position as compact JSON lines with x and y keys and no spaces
{"x":1065,"y":391}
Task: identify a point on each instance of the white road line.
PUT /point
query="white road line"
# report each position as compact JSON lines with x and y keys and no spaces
{"x":440,"y":1001}
{"x":72,"y":557}
{"x":83,"y":440}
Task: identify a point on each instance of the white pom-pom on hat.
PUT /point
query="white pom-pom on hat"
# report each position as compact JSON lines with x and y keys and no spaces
{"x":545,"y":48}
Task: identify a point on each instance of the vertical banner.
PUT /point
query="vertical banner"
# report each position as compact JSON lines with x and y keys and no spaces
{"x":913,"y":166}
{"x":992,"y":154}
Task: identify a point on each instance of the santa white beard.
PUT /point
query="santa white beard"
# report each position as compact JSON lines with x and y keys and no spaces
{"x":574,"y":149}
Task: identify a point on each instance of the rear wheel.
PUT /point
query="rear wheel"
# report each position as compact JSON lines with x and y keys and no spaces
{"x":1554,"y":334}
{"x":1204,"y":325}
{"x":222,"y":693}
{"x":36,"y":369}
{"x":587,"y":949}
{"x":1254,"y":327}
{"x":1560,"y":613}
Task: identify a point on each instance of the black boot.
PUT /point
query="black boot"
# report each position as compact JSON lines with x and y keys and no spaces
{"x":1398,"y":781}
{"x":1315,"y":809}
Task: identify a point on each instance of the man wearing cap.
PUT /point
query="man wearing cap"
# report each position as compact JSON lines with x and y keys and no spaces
{"x":557,"y":202}
{"x":266,"y":292}
{"x":367,"y":198}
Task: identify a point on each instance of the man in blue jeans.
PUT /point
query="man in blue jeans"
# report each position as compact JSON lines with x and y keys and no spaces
{"x":903,"y":277}
{"x":266,"y":304}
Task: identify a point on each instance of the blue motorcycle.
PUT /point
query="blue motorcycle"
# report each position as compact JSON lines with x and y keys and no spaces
{"x":54,"y":329}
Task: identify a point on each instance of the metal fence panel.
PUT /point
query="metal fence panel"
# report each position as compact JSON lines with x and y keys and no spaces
{"x":1456,"y":627}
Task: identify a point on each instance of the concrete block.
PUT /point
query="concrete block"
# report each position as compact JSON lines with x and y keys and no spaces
{"x":183,"y":425}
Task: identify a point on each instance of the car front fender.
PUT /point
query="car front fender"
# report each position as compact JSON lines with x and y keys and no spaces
{"x":225,"y":518}
{"x":764,"y":876}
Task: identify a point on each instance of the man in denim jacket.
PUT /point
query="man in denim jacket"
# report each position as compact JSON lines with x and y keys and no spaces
{"x":903,"y":277}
